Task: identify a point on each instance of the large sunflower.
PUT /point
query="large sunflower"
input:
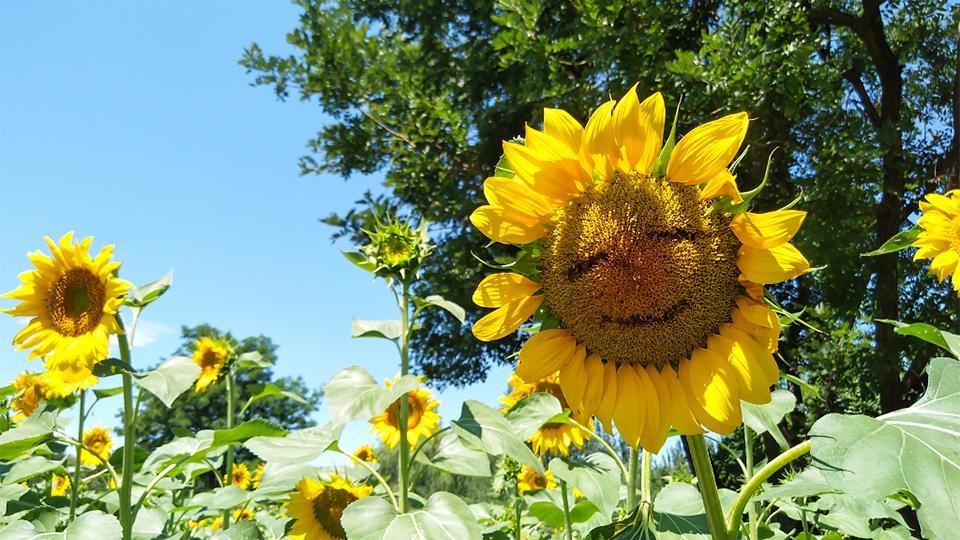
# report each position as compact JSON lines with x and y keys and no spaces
{"x":555,"y":438}
{"x":97,"y":439}
{"x":72,"y":300}
{"x":939,"y":238}
{"x":653,"y":302}
{"x":422,"y":419}
{"x":316,"y":507}
{"x":210,"y":354}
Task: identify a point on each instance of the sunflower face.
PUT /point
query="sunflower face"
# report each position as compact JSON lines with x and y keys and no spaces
{"x":531,"y":480}
{"x":317,"y":507}
{"x":210,"y":354}
{"x":59,"y":485}
{"x":555,"y":438}
{"x":653,"y":279}
{"x":240,"y":476}
{"x":939,"y":239}
{"x":422,"y":419}
{"x":99,"y":441}
{"x":31,"y":390}
{"x":71,"y":299}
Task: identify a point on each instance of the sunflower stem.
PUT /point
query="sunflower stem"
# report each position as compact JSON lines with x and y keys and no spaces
{"x":757,"y":480}
{"x":708,"y":486}
{"x":752,"y":507}
{"x":127,"y":514}
{"x":404,"y":412}
{"x":567,"y":525}
{"x":229,"y":475}
{"x":632,"y":480}
{"x":373,"y":472}
{"x":646,"y":498}
{"x":75,"y":487}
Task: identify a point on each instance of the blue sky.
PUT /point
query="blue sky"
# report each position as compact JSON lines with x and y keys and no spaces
{"x":132,"y":122}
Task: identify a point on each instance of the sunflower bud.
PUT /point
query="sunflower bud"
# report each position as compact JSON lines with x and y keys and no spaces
{"x":396,"y":248}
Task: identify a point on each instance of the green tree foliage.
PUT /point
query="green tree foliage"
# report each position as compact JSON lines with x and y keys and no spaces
{"x":194,"y":411}
{"x":859,"y":98}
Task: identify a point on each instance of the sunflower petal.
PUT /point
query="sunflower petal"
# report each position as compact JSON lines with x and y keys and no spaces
{"x":766,"y":266}
{"x":638,"y":128}
{"x":609,"y":400}
{"x":655,"y":414}
{"x":710,"y":387}
{"x":750,"y":376}
{"x":707,"y":150}
{"x":573,"y":380}
{"x":560,"y":125}
{"x":758,"y":357}
{"x":498,"y":289}
{"x":630,"y":411}
{"x":658,"y":436}
{"x":594,"y":384}
{"x":681,"y":417}
{"x":723,"y":183}
{"x":515,"y":195}
{"x":551,"y":177}
{"x":506,"y":226}
{"x":598,"y":148}
{"x":545,"y":353}
{"x":769,"y":230}
{"x":944,"y":264}
{"x":506,"y":319}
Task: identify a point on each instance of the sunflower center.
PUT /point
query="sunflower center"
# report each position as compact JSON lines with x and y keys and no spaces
{"x":328,"y":507}
{"x":414,"y":412}
{"x":76,"y":302}
{"x":640,"y":269}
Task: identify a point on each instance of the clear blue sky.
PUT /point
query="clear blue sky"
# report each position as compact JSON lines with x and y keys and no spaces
{"x":133,"y":122}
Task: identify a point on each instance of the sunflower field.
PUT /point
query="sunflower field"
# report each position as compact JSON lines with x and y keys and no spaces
{"x":620,"y":270}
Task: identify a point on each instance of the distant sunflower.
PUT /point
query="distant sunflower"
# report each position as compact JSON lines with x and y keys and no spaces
{"x":365,"y":453}
{"x":240,"y":476}
{"x":654,"y":293}
{"x":531,"y":480}
{"x":72,"y":300}
{"x":555,"y":438}
{"x":422,"y":420}
{"x":316,"y":507}
{"x":97,"y":439}
{"x":242,"y":514}
{"x":210,"y":354}
{"x":258,"y":475}
{"x":31,"y":390}
{"x":939,"y":238}
{"x":59,"y":485}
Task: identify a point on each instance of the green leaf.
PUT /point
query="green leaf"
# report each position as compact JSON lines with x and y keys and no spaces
{"x":220,"y":498}
{"x":915,"y":449}
{"x":105,"y":527}
{"x":361,"y":260}
{"x":247,"y":430}
{"x":765,"y":418}
{"x":108,"y":392}
{"x":596,"y":476}
{"x":142,"y":296}
{"x":551,"y":514}
{"x":267,"y":390}
{"x":455,"y":458}
{"x":299,"y":446}
{"x":32,"y":431}
{"x":443,"y":517}
{"x":170,"y":379}
{"x":245,"y":530}
{"x":149,"y":523}
{"x":376,"y":329}
{"x":353,"y":394}
{"x":530,"y":413}
{"x":252,"y":359}
{"x":901,"y":240}
{"x":441,"y":302}
{"x":503,"y":169}
{"x":678,"y":513}
{"x":28,"y":468}
{"x":485,"y":429}
{"x":929,"y":333}
{"x":806,"y":389}
{"x":808,"y":483}
{"x":282,"y":478}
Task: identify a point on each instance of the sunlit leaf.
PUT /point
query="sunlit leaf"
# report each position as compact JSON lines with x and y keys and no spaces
{"x":170,"y":379}
{"x":443,"y":517}
{"x":901,"y":240}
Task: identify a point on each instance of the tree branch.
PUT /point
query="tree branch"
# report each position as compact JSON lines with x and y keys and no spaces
{"x":869,"y":110}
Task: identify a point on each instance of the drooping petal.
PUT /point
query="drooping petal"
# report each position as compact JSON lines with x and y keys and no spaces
{"x":498,"y":289}
{"x":944,"y":264}
{"x":766,"y":266}
{"x":630,"y":411}
{"x":573,"y":380}
{"x":506,"y":319}
{"x":515,"y":195}
{"x":506,"y":226}
{"x":707,"y":150}
{"x":769,"y":230}
{"x":639,"y":130}
{"x":654,"y":416}
{"x":598,"y":148}
{"x":750,"y":376}
{"x":757,"y":356}
{"x":658,"y":436}
{"x":711,"y":390}
{"x":723,"y":183}
{"x":593,"y":393}
{"x":545,"y":353}
{"x":758,"y":321}
{"x":681,"y":417}
{"x":609,"y":399}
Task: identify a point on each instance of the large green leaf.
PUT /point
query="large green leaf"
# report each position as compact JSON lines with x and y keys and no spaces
{"x":140,"y":297}
{"x":530,"y":413}
{"x":170,"y":379}
{"x":443,"y":517}
{"x":376,"y":329}
{"x":27,"y":468}
{"x":220,"y":498}
{"x":596,"y":476}
{"x":552,"y":515}
{"x":32,"y":431}
{"x":281,"y":477}
{"x":929,"y":333}
{"x":915,"y":449}
{"x":443,"y":303}
{"x":297,"y":446}
{"x":455,"y":458}
{"x":247,"y":430}
{"x":353,"y":394}
{"x":93,"y":524}
{"x":485,"y":429}
{"x":765,"y":418}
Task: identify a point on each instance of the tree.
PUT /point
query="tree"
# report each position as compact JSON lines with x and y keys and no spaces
{"x":194,"y":411}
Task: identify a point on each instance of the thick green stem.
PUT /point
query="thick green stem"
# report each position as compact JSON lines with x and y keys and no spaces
{"x":632,"y":470}
{"x":230,"y":414}
{"x":708,"y":486}
{"x":753,"y":485}
{"x":517,"y":509}
{"x":127,"y":515}
{"x":567,"y":524}
{"x":404,"y":412}
{"x":75,"y":487}
{"x":646,"y":494}
{"x":752,"y":508}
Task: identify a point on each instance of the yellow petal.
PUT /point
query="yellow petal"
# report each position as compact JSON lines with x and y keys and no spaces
{"x":944,"y":264}
{"x":658,"y":435}
{"x":944,"y":204}
{"x":560,"y":125}
{"x":514,"y":194}
{"x":630,"y":411}
{"x":757,"y":355}
{"x":769,"y":230}
{"x":498,"y":289}
{"x":639,"y":130}
{"x":759,"y":322}
{"x":707,"y":150}
{"x":551,"y":178}
{"x":598,"y":148}
{"x":545,"y":353}
{"x":548,"y":146}
{"x":505,"y":226}
{"x":573,"y":380}
{"x":506,"y":319}
{"x":655,"y":414}
{"x":710,"y":387}
{"x":766,"y":266}
{"x":723,"y":183}
{"x":681,"y":417}
{"x":609,"y":399}
{"x":594,"y":384}
{"x":750,"y":377}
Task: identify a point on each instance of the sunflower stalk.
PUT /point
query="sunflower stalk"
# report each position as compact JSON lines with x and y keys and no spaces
{"x":75,"y":487}
{"x":404,"y":412}
{"x":752,"y":507}
{"x":567,"y":524}
{"x":708,"y":486}
{"x":757,"y":480}
{"x":230,"y":420}
{"x":633,"y":467}
{"x":127,"y":514}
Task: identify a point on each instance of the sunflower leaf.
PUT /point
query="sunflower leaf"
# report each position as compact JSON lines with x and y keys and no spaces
{"x":252,"y":359}
{"x":441,"y":302}
{"x":929,"y":333}
{"x":361,"y":260}
{"x":901,"y":240}
{"x":443,"y":517}
{"x":765,"y":418}
{"x":530,"y":413}
{"x":29,"y":433}
{"x":170,"y":379}
{"x":353,"y":394}
{"x":142,"y":296}
{"x":597,"y":477}
{"x":297,"y":446}
{"x":485,"y":429}
{"x":376,"y":329}
{"x":455,"y":458}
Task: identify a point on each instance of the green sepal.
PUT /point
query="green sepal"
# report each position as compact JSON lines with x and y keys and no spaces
{"x":660,"y":165}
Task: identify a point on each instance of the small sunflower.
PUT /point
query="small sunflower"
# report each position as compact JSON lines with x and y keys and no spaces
{"x":210,"y":354}
{"x":530,"y":480}
{"x":97,"y":439}
{"x":555,"y":438}
{"x":316,"y":507}
{"x":242,"y":514}
{"x":31,"y":390}
{"x":192,"y":524}
{"x":365,"y":453}
{"x":59,"y":485}
{"x":240,"y":476}
{"x":258,"y":475}
{"x":217,"y":524}
{"x":652,"y":291}
{"x":72,"y":300}
{"x":421,"y":421}
{"x":939,"y":238}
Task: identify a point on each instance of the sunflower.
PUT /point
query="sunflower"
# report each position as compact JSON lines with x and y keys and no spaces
{"x":258,"y":475}
{"x":422,"y":420}
{"x":552,"y":437}
{"x":939,"y":238}
{"x":242,"y":514}
{"x":59,"y":485}
{"x":530,"y":480}
{"x":649,"y":280}
{"x":210,"y":354}
{"x":30,"y":391}
{"x":365,"y":453}
{"x":240,"y":476}
{"x":97,"y":439}
{"x":316,"y":507}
